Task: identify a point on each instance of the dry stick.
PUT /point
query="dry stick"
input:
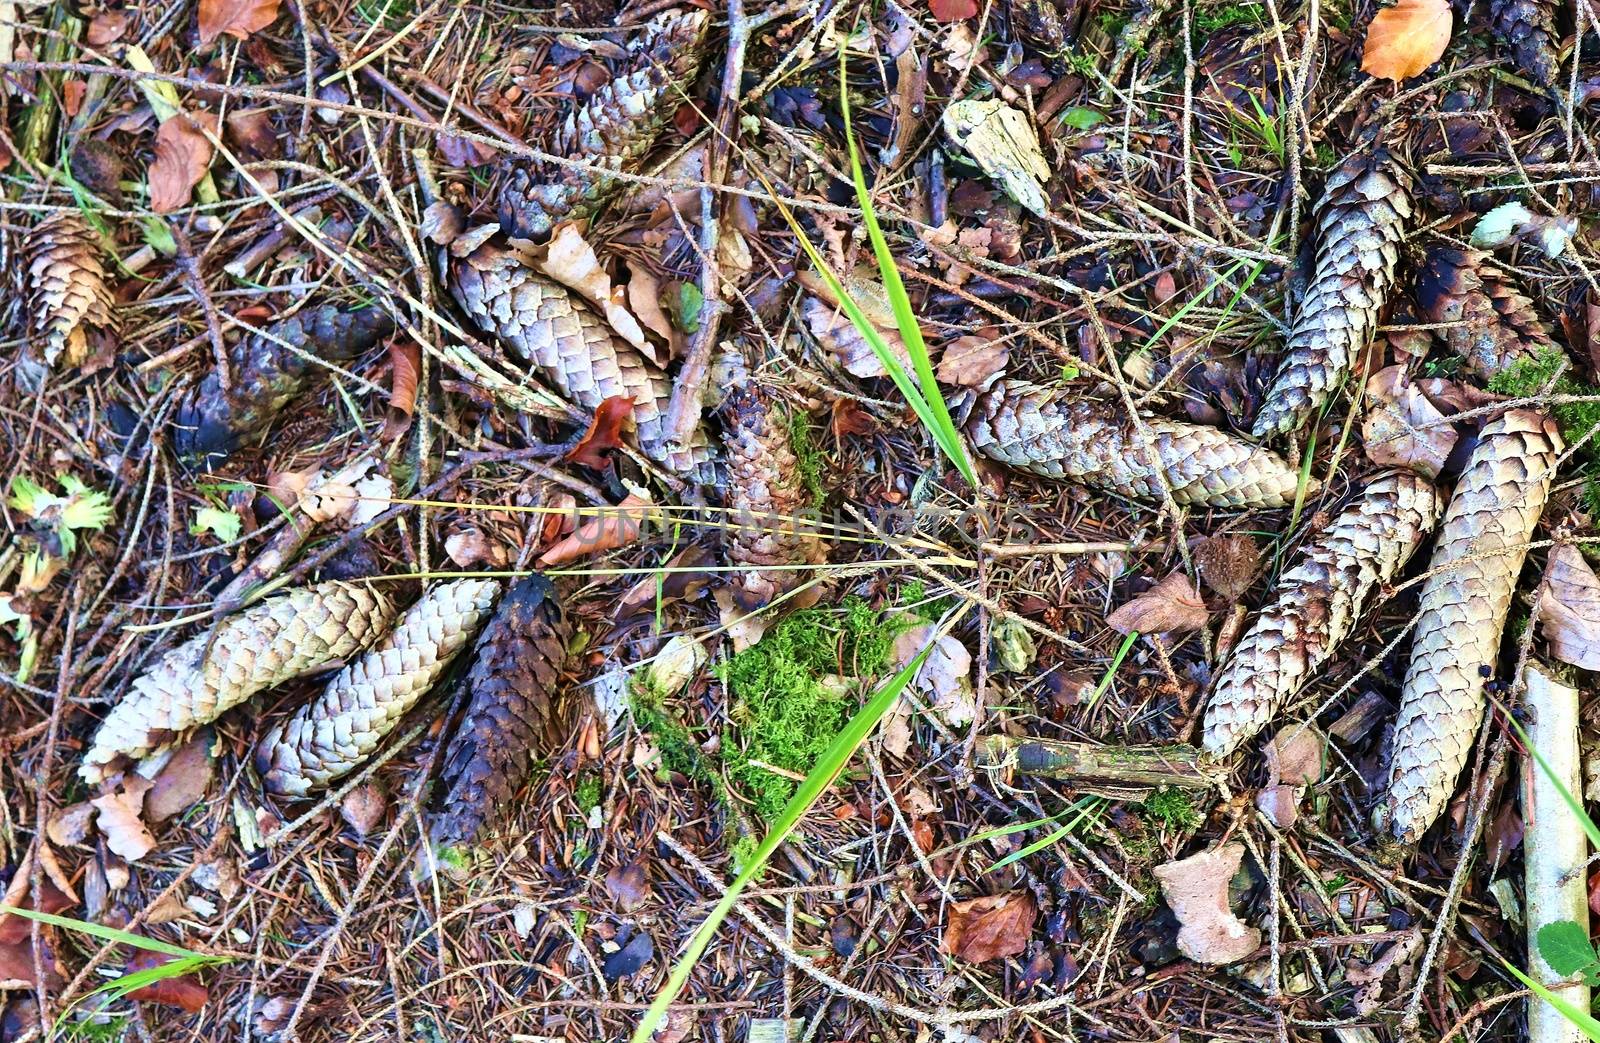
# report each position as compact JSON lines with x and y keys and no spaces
{"x":41,"y":806}
{"x":1091,"y":765}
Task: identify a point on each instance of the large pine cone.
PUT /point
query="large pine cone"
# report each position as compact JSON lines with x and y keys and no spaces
{"x":1461,"y":613}
{"x":510,"y":693}
{"x":1318,"y":603}
{"x":67,"y":286}
{"x":610,"y":131}
{"x":766,"y":495}
{"x":1360,"y":224}
{"x":1088,"y":442}
{"x":363,"y":703}
{"x":281,"y":638}
{"x":265,"y":375}
{"x":1493,"y":324}
{"x":573,"y":348}
{"x":1528,"y":27}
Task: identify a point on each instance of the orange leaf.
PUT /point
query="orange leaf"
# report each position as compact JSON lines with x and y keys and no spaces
{"x":992,"y":928}
{"x":405,"y":363}
{"x":604,"y":434}
{"x":183,"y":155}
{"x":1405,"y":39}
{"x":184,"y":991}
{"x":616,"y":527}
{"x":237,"y":18}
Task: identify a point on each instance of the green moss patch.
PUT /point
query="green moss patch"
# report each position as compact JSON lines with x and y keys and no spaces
{"x":1529,"y":377}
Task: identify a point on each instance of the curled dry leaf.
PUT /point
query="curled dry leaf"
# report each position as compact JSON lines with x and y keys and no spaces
{"x":570,"y":261}
{"x":615,"y":527}
{"x":183,"y":155}
{"x":405,"y":366}
{"x":363,"y":808}
{"x":1403,"y":427}
{"x":1405,"y":39}
{"x":1197,"y":890}
{"x":1569,"y":608}
{"x":991,"y":928}
{"x":237,"y":18}
{"x":644,"y":299}
{"x":605,"y":433}
{"x":1295,"y":755}
{"x":119,"y":819}
{"x":1172,"y":606}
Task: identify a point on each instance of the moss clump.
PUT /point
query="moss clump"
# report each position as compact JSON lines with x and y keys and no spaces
{"x":809,"y":456}
{"x":1530,"y":377}
{"x":1225,"y":17}
{"x":587,"y":793}
{"x":1171,"y":807}
{"x":680,"y":753}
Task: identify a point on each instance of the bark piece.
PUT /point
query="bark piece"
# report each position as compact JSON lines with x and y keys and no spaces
{"x":1318,"y":603}
{"x":1197,"y":890}
{"x":1092,"y":443}
{"x":276,"y":640}
{"x":1360,"y":224}
{"x":573,"y":349}
{"x":510,"y":694}
{"x":1495,"y":324}
{"x":766,"y":495}
{"x":611,"y":131}
{"x":1461,"y":612}
{"x":67,"y":287}
{"x":265,"y":375}
{"x":1119,"y":772}
{"x":344,"y":725}
{"x":1528,"y":29}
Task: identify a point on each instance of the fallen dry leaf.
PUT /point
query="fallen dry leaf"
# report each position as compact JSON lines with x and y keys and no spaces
{"x":570,"y":261}
{"x":1172,"y":606}
{"x":181,"y":781}
{"x":119,"y":819}
{"x":106,"y":27}
{"x":469,"y":546}
{"x":71,"y":824}
{"x":644,"y":299}
{"x":1403,"y":428}
{"x":952,"y":10}
{"x":183,"y":990}
{"x":1569,"y":608}
{"x":744,"y":629}
{"x":849,"y":418}
{"x":405,"y":367}
{"x":1296,"y":754}
{"x":1405,"y":39}
{"x":945,"y":679}
{"x":237,"y":18}
{"x":628,"y":886}
{"x":363,"y":808}
{"x":1197,"y":890}
{"x":616,"y":527}
{"x":973,"y":361}
{"x":833,"y":329}
{"x":682,"y":582}
{"x":1228,"y":563}
{"x":992,"y":928}
{"x":183,"y":155}
{"x":605,"y":433}
{"x":250,"y":133}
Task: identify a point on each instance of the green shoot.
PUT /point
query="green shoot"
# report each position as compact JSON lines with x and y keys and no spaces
{"x":1111,"y":671}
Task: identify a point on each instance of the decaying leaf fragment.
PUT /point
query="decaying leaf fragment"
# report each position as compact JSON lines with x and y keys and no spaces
{"x":1002,"y":141}
{"x":363,"y":703}
{"x":67,"y":287}
{"x":1197,"y":890}
{"x":990,"y":928}
{"x":1569,"y":608}
{"x":1318,"y":603}
{"x":1171,"y":606}
{"x":278,"y":639}
{"x":1361,"y":221}
{"x":1403,"y":428}
{"x":1030,"y":428}
{"x":266,"y":371}
{"x":1461,"y":612}
{"x":766,"y":495}
{"x":1492,"y":323}
{"x":611,"y":131}
{"x":510,"y":695}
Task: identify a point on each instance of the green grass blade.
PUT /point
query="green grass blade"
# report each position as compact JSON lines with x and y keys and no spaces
{"x":108,"y":934}
{"x":1580,"y":1019}
{"x":1567,"y":796}
{"x":827,"y":769}
{"x":1084,"y":806}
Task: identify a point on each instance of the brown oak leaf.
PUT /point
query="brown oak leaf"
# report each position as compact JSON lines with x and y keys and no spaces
{"x":990,"y":928}
{"x":183,"y":155}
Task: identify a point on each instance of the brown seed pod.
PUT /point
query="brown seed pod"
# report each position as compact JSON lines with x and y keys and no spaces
{"x":274,"y":641}
{"x":611,"y":131}
{"x":1528,"y":28}
{"x":1317,"y":604}
{"x":1493,"y":324}
{"x":1461,"y":612}
{"x":573,"y":348}
{"x":67,"y":287}
{"x":510,"y":693}
{"x":363,"y":703}
{"x":1092,"y":443}
{"x":1360,"y":224}
{"x":265,"y":375}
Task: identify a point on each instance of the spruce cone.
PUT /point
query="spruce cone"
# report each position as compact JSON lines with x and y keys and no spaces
{"x":766,"y":495}
{"x":1361,"y":222}
{"x":1025,"y":427}
{"x":68,"y":287}
{"x":284,"y":637}
{"x":1495,"y":325}
{"x":1528,"y":27}
{"x":363,"y":703}
{"x":265,"y":376}
{"x":1461,"y":611}
{"x":1318,"y":603}
{"x":612,"y":130}
{"x":573,"y":348}
{"x":509,"y":702}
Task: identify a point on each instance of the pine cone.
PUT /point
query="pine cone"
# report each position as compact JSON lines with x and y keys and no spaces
{"x":363,"y":703}
{"x":1091,"y":443}
{"x":1318,"y":603}
{"x":1361,"y":222}
{"x":509,"y":702}
{"x":1460,"y":614}
{"x":1494,"y":324}
{"x":612,"y":130}
{"x":68,"y":287}
{"x":266,"y":375}
{"x":278,"y":639}
{"x":573,"y":348}
{"x":766,"y":495}
{"x":1528,"y":27}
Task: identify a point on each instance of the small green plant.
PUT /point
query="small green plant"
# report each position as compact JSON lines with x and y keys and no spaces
{"x":1173,"y":808}
{"x":1215,"y":20}
{"x":1566,"y":947}
{"x":61,"y":517}
{"x":587,"y":793}
{"x":809,"y":456}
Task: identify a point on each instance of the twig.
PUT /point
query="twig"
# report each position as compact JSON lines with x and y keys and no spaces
{"x":188,"y":266}
{"x":1096,"y":766}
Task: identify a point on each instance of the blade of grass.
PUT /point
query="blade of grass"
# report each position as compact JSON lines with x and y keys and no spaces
{"x":107,"y":934}
{"x":1580,"y":1019}
{"x":1567,"y":796}
{"x":1085,"y":807}
{"x":828,"y":768}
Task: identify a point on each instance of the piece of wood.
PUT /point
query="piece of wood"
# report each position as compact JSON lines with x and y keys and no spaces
{"x":1113,"y":771}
